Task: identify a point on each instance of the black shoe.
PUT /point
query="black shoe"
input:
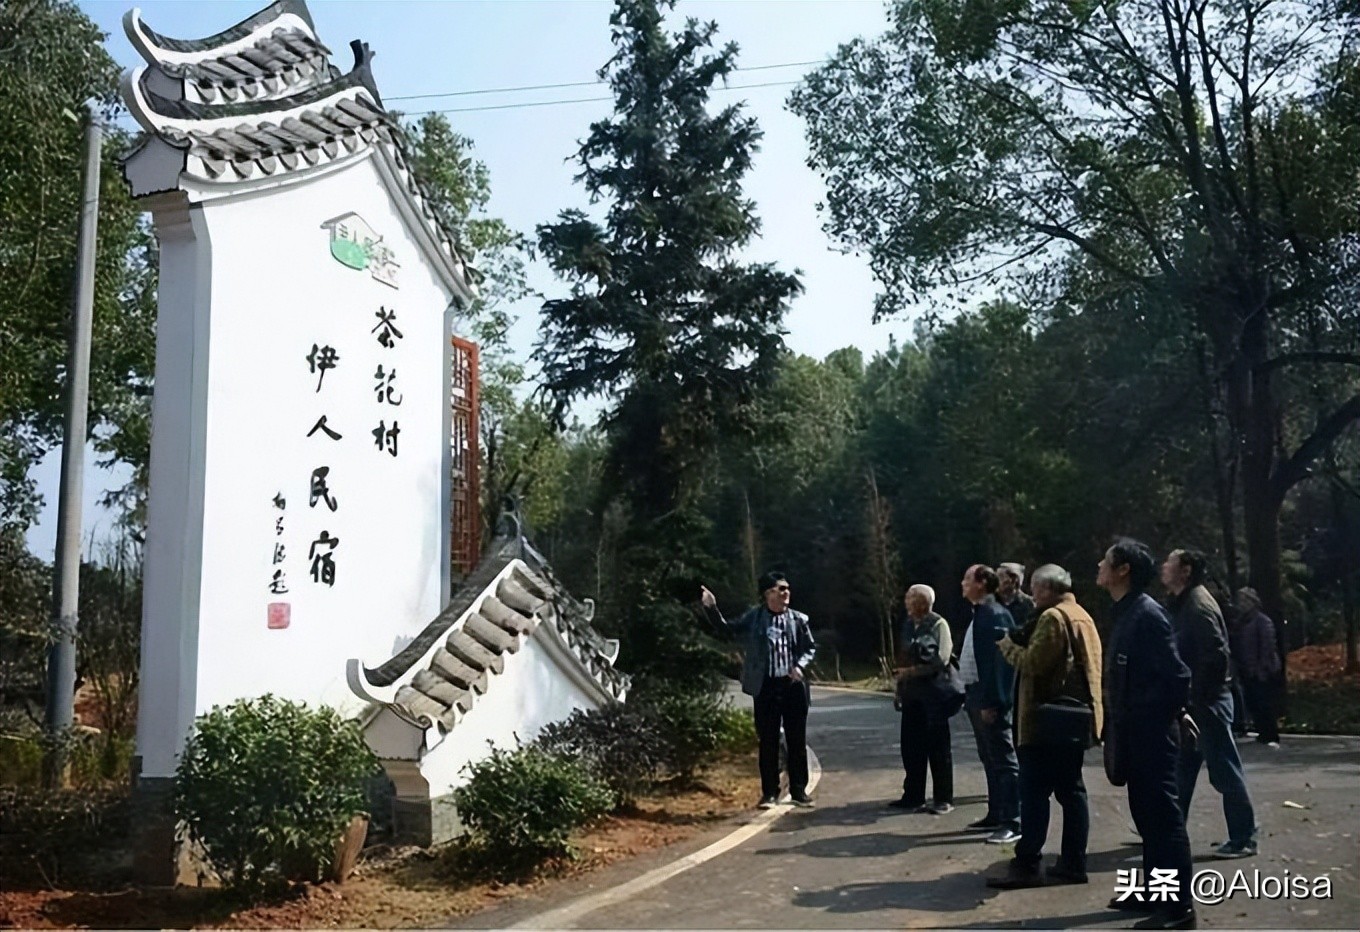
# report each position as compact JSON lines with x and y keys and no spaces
{"x":985,"y":824}
{"x":907,"y":804}
{"x":768,"y":802}
{"x":1180,"y":918}
{"x":1018,"y":877}
{"x":802,"y":800}
{"x":1061,"y":874}
{"x":1133,"y":904}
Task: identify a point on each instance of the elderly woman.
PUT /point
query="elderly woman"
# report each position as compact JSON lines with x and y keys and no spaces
{"x":923,"y":652}
{"x":1258,"y":660}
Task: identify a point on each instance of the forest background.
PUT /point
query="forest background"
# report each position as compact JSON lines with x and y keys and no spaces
{"x":1160,"y":200}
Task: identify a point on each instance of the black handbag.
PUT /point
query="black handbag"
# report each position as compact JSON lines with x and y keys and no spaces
{"x":942,"y":693}
{"x":1067,"y":720}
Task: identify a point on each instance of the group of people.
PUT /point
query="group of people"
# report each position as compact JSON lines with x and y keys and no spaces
{"x":1040,"y":689}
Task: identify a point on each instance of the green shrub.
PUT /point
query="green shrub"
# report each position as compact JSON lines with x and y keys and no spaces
{"x":21,"y":758}
{"x":619,"y":746}
{"x":521,"y":806}
{"x":52,"y":836}
{"x":692,"y":725}
{"x":266,"y":786}
{"x":736,"y":731}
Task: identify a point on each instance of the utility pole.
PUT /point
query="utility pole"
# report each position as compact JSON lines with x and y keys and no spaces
{"x":61,"y":657}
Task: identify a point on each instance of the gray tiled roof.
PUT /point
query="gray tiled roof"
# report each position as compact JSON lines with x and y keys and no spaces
{"x":270,"y":102}
{"x":287,"y":58}
{"x":510,"y":607}
{"x":463,"y":668}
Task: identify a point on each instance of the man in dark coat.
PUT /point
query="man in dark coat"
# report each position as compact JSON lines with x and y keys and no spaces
{"x":990,"y":683}
{"x":1011,"y":594}
{"x":777,"y":650}
{"x":1202,"y":641}
{"x":1146,"y":688}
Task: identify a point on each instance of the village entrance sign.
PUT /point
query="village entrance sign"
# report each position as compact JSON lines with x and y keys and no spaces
{"x":298,"y":538}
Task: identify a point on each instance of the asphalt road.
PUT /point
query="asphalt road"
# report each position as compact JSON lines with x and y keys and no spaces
{"x":854,"y":863}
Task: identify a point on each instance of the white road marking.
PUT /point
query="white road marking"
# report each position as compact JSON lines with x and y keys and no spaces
{"x":564,"y":916}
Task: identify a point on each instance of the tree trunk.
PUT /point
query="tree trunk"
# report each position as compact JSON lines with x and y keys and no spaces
{"x":1251,"y":412}
{"x":1225,"y":478}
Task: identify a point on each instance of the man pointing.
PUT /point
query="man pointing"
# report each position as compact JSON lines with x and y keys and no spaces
{"x":777,"y":649}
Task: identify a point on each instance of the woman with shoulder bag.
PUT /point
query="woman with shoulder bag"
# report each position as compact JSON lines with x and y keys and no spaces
{"x":928,"y":693}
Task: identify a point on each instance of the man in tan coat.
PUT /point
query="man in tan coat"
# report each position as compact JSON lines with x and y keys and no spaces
{"x":1056,"y":654}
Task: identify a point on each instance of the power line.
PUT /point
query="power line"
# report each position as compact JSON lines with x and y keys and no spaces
{"x":546,"y":87}
{"x":578,"y":100}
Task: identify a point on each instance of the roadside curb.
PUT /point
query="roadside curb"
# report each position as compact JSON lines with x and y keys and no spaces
{"x":564,"y":916}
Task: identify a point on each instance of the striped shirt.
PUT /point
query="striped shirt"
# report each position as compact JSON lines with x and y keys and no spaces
{"x":968,"y":668}
{"x":780,"y":633}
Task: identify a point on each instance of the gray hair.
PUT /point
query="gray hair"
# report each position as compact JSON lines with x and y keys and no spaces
{"x":924,"y":592}
{"x":1015,"y":569}
{"x":1053,"y":576}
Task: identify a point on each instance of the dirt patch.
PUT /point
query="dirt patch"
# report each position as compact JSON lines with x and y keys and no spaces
{"x":393,"y":888}
{"x":1319,"y":662}
{"x":1323,"y":698}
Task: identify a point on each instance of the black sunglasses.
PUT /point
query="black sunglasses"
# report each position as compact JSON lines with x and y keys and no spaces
{"x":781,"y":588}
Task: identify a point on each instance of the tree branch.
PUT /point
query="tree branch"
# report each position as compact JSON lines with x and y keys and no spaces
{"x":1287,"y":474}
{"x":1279,"y":362}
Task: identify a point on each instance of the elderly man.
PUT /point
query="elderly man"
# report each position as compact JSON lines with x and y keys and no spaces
{"x":988,"y":681}
{"x":778,"y":650}
{"x":1146,"y":688}
{"x":1010,"y":578}
{"x":1060,"y":658}
{"x":924,"y":647}
{"x":1202,"y":641}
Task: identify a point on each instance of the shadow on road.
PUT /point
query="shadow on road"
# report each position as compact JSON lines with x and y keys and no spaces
{"x":951,"y":893}
{"x":1080,"y":921}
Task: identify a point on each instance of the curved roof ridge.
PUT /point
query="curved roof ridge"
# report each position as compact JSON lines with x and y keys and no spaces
{"x":147,"y":40}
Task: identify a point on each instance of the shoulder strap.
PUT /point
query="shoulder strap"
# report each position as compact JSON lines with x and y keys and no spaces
{"x":1078,"y":662}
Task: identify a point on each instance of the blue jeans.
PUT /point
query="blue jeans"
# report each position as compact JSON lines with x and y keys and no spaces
{"x":997,"y":753}
{"x":1217,"y":751}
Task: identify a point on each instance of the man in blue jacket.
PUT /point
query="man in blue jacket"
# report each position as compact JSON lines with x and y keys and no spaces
{"x":777,"y":649}
{"x":989,"y":683}
{"x":1146,"y":688}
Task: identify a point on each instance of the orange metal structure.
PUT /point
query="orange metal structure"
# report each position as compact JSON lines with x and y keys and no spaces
{"x":467,"y":488}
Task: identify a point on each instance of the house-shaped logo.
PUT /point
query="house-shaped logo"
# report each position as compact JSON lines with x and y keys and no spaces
{"x":357,"y":245}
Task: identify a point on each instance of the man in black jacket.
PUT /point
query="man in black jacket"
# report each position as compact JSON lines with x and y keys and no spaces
{"x":777,"y":650}
{"x":1202,"y":640}
{"x":1146,"y":688}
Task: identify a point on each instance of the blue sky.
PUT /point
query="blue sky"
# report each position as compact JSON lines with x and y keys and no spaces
{"x":438,"y":46}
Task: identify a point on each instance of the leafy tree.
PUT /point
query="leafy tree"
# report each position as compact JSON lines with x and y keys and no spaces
{"x":1190,"y":153}
{"x":513,"y":431}
{"x":660,"y":315}
{"x":52,"y":59}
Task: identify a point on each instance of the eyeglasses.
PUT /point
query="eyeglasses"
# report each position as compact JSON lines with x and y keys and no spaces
{"x":781,"y":588}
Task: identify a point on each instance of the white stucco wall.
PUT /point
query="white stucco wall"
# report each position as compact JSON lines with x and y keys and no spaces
{"x":244,"y":298}
{"x":535,"y":689}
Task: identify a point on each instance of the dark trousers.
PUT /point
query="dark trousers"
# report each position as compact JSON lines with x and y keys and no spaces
{"x":997,"y":753}
{"x":1217,"y":752}
{"x":1056,"y":772}
{"x":1260,"y":696}
{"x":1152,"y":757}
{"x":925,"y":738}
{"x":782,"y":701}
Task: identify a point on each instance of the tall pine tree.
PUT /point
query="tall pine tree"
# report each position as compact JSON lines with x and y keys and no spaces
{"x":661,"y":317}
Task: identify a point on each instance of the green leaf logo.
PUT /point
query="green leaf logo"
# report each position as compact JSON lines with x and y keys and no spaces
{"x":349,"y":253}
